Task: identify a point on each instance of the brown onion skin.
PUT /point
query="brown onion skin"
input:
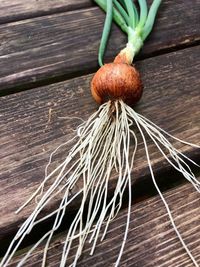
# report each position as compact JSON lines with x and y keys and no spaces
{"x":117,"y":81}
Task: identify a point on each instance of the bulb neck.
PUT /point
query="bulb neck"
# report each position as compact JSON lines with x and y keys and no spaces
{"x":135,"y":39}
{"x":133,"y":46}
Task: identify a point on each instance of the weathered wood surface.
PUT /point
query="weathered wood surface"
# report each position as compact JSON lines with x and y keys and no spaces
{"x":20,"y":9}
{"x":151,"y":238}
{"x":171,"y":99}
{"x":60,"y":45}
{"x":49,"y":41}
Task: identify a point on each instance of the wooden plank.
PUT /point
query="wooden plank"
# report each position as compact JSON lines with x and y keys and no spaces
{"x":65,"y":45}
{"x":171,"y":99}
{"x":18,"y":9}
{"x":151,"y":239}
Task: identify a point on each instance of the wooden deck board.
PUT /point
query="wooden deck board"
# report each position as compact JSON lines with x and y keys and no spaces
{"x":151,"y":238}
{"x":60,"y":46}
{"x":171,"y":99}
{"x":19,"y":9}
{"x":43,"y":42}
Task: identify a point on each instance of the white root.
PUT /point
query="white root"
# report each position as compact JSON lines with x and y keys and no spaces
{"x":102,"y":149}
{"x":155,"y":133}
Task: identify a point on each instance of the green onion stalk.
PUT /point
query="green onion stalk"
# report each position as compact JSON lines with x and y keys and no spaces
{"x":104,"y":147}
{"x":136,"y":26}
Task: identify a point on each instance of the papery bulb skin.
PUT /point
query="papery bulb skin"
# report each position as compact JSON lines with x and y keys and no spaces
{"x":115,"y":81}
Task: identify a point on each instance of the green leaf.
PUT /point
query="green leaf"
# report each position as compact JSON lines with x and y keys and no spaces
{"x":122,"y":11}
{"x":118,"y":19}
{"x":150,"y":19}
{"x":143,"y":12}
{"x":106,"y":31}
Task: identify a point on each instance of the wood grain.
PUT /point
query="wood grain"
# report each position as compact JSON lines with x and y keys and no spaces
{"x":171,"y":99}
{"x":18,"y":9}
{"x":151,"y":238}
{"x":59,"y":46}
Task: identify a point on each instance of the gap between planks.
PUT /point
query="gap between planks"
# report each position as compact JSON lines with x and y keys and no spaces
{"x":151,"y":239}
{"x":17,"y":10}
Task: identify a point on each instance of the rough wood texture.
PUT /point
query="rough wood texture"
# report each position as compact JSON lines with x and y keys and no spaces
{"x":60,"y":45}
{"x":20,"y":9}
{"x":171,"y":99}
{"x":151,"y":239}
